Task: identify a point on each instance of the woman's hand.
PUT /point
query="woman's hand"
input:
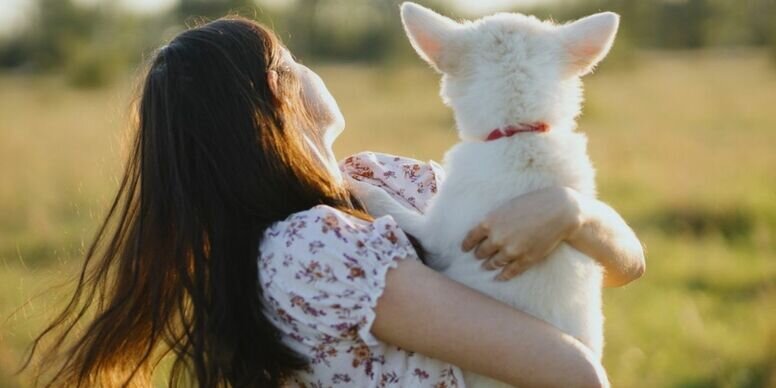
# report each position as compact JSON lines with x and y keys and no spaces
{"x":525,"y":230}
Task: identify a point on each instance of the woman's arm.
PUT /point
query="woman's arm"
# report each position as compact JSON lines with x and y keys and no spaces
{"x":423,"y":311}
{"x":547,"y":217}
{"x":603,"y":235}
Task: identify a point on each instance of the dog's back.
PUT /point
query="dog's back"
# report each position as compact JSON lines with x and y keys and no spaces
{"x":565,"y":289}
{"x":504,"y":72}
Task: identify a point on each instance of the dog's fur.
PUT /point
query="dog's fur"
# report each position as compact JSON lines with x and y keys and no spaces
{"x":503,"y":70}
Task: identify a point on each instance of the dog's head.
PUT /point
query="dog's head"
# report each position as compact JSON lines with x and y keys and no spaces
{"x":510,"y":69}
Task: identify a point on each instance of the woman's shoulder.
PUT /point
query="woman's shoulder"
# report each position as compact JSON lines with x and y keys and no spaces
{"x":322,"y":271}
{"x":325,"y":223}
{"x":321,"y":220}
{"x":326,"y":236}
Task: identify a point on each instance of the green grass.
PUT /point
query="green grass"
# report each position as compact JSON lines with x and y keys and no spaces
{"x":684,"y":146}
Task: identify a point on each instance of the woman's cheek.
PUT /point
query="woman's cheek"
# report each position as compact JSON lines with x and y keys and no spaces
{"x":323,"y":103}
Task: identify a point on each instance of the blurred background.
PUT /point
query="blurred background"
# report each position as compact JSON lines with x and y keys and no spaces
{"x":681,"y":119}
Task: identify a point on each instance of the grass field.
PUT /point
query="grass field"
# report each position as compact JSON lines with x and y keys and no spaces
{"x":685,"y":148}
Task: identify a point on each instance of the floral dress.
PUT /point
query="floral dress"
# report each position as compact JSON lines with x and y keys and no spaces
{"x":322,"y":272}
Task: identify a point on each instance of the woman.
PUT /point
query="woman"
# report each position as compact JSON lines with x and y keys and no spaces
{"x":234,"y":245}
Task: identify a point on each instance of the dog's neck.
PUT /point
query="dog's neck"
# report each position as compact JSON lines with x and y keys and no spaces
{"x":511,"y":130}
{"x":546,"y":127}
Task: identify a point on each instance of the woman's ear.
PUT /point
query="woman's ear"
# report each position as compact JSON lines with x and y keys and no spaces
{"x":272,"y":81}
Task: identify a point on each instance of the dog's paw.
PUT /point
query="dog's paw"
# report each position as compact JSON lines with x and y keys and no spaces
{"x":376,"y":200}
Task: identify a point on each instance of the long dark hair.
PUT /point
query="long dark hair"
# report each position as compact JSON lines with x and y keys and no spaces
{"x":217,"y":158}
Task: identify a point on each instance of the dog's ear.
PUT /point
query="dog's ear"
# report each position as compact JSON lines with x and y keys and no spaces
{"x":431,"y":34}
{"x":589,"y":39}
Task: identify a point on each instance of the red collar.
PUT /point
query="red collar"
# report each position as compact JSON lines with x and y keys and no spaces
{"x":512,"y":130}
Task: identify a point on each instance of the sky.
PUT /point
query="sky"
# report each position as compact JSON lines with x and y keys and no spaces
{"x":12,"y":12}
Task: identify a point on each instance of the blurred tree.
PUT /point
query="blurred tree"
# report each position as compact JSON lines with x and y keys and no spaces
{"x":211,"y":9}
{"x":14,"y":53}
{"x":762,"y":18}
{"x":305,"y":36}
{"x":348,"y":30}
{"x":91,"y":40}
{"x":682,"y":24}
{"x":58,"y":27}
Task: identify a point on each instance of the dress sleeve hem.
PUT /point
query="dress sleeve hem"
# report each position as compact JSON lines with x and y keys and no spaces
{"x":365,"y":332}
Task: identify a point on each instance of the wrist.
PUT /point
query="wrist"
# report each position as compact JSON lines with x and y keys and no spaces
{"x":576,"y":217}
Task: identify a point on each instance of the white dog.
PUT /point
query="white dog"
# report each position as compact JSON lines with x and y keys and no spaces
{"x":513,"y":82}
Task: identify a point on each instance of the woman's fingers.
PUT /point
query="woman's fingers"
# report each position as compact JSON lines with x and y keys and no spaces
{"x":486,"y":249}
{"x":474,"y":237}
{"x":498,"y":260}
{"x":524,"y":261}
{"x":514,"y":268}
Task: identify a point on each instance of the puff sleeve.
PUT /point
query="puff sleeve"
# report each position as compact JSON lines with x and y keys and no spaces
{"x":323,"y":272}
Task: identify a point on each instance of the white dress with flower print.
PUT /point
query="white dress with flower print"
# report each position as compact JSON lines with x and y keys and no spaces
{"x":322,"y":271}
